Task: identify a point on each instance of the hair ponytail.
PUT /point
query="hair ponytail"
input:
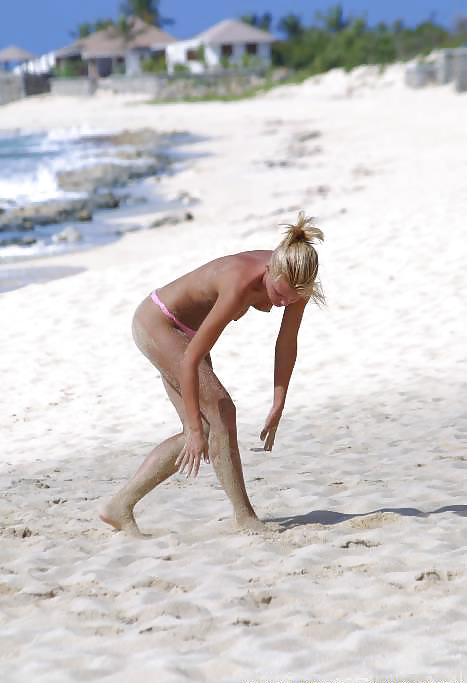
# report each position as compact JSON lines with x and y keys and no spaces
{"x":296,"y":258}
{"x":303,"y":230}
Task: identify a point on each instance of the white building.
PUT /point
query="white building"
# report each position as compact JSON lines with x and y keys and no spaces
{"x":39,"y":66}
{"x":230,"y":42}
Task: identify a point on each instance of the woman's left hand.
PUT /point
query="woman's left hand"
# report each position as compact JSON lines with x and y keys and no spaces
{"x":270,"y":427}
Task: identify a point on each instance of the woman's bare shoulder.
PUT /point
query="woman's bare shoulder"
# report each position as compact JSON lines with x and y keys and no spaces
{"x":241,"y":269}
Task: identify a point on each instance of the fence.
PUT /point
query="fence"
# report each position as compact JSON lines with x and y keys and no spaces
{"x":15,"y":87}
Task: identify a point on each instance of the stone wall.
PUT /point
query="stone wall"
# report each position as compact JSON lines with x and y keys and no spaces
{"x":460,"y":70}
{"x":15,"y":87}
{"x":450,"y":66}
{"x":73,"y":86}
{"x":163,"y":87}
{"x":11,"y":88}
{"x":419,"y":75}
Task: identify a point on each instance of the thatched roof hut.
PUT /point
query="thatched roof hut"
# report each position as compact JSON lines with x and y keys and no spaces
{"x":111,"y":42}
{"x":232,"y":31}
{"x":15,"y":54}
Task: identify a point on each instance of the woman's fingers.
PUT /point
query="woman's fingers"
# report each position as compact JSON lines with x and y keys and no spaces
{"x":191,"y":462}
{"x":193,"y":465}
{"x":269,"y":435}
{"x":184,"y":461}
{"x":180,"y":456}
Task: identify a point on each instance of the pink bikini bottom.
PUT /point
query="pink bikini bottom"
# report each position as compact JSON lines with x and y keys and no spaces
{"x":168,"y":313}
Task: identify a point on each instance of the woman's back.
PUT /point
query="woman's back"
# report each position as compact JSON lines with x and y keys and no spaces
{"x":192,"y":296}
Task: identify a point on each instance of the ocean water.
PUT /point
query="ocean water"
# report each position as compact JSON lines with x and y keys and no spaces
{"x":29,"y":163}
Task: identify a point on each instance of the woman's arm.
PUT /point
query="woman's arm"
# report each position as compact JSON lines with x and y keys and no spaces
{"x":223,"y":312}
{"x":286,"y":349}
{"x":284,"y":361}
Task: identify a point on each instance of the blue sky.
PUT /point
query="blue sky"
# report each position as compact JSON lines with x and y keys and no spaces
{"x":43,"y":25}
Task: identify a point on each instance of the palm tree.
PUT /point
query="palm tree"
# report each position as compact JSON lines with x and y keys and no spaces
{"x":334,"y":21}
{"x":262,"y":22}
{"x":85,"y":30}
{"x":291,"y":25}
{"x":147,"y":10}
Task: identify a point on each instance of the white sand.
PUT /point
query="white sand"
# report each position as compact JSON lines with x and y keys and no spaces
{"x":368,"y":578}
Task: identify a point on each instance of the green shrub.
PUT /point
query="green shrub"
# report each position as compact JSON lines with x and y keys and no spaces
{"x":246,"y":60}
{"x":346,"y":42}
{"x":71,"y":69}
{"x":181,"y":69}
{"x":154,"y":65}
{"x":202,"y":55}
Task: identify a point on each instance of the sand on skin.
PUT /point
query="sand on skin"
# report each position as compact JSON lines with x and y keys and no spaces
{"x":368,"y":576}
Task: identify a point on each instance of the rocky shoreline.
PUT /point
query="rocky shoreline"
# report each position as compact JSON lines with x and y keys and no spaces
{"x":134,"y":155}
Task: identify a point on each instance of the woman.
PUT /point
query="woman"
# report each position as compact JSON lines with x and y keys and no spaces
{"x":176,"y":326}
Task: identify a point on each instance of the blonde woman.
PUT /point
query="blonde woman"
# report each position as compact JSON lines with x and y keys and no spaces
{"x":176,"y":326}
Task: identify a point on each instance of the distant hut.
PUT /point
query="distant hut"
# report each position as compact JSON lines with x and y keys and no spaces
{"x":112,"y":50}
{"x":12,"y":56}
{"x":70,"y":59}
{"x":230,"y":42}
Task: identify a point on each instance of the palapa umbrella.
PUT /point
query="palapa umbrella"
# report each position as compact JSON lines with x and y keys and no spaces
{"x":15,"y":54}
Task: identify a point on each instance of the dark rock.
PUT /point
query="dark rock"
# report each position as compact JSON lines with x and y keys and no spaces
{"x":172,"y":219}
{"x":21,"y":241}
{"x":143,"y":137}
{"x":92,"y":178}
{"x":27,"y":241}
{"x":312,"y":135}
{"x":84,"y":215}
{"x":104,"y":200}
{"x":68,"y":234}
{"x":56,"y":211}
{"x":44,"y":213}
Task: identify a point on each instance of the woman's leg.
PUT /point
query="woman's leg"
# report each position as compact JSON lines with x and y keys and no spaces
{"x":158,"y":466}
{"x":164,"y":347}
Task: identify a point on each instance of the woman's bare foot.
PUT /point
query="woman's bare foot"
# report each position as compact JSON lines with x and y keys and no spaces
{"x":250,"y":523}
{"x":120,"y":516}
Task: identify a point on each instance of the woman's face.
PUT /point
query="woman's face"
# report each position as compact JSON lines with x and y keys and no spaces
{"x":279,"y":291}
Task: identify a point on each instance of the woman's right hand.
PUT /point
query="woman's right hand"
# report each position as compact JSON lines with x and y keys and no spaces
{"x":196,"y":446}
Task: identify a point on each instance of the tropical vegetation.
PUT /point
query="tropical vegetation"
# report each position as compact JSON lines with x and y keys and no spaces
{"x":147,"y":10}
{"x":331,"y":39}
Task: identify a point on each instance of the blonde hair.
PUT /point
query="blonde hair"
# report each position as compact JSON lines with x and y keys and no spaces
{"x":296,"y":258}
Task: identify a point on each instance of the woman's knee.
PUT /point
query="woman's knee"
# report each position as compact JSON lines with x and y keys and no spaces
{"x":224,"y":416}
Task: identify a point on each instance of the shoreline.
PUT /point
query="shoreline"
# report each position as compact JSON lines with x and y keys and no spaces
{"x":138,"y":202}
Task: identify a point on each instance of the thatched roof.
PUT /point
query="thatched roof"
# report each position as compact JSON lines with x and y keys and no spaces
{"x":111,"y":43}
{"x":15,"y":54}
{"x":232,"y":31}
{"x":73,"y":50}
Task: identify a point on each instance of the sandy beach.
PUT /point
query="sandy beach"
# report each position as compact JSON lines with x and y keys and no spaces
{"x":366,"y":579}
